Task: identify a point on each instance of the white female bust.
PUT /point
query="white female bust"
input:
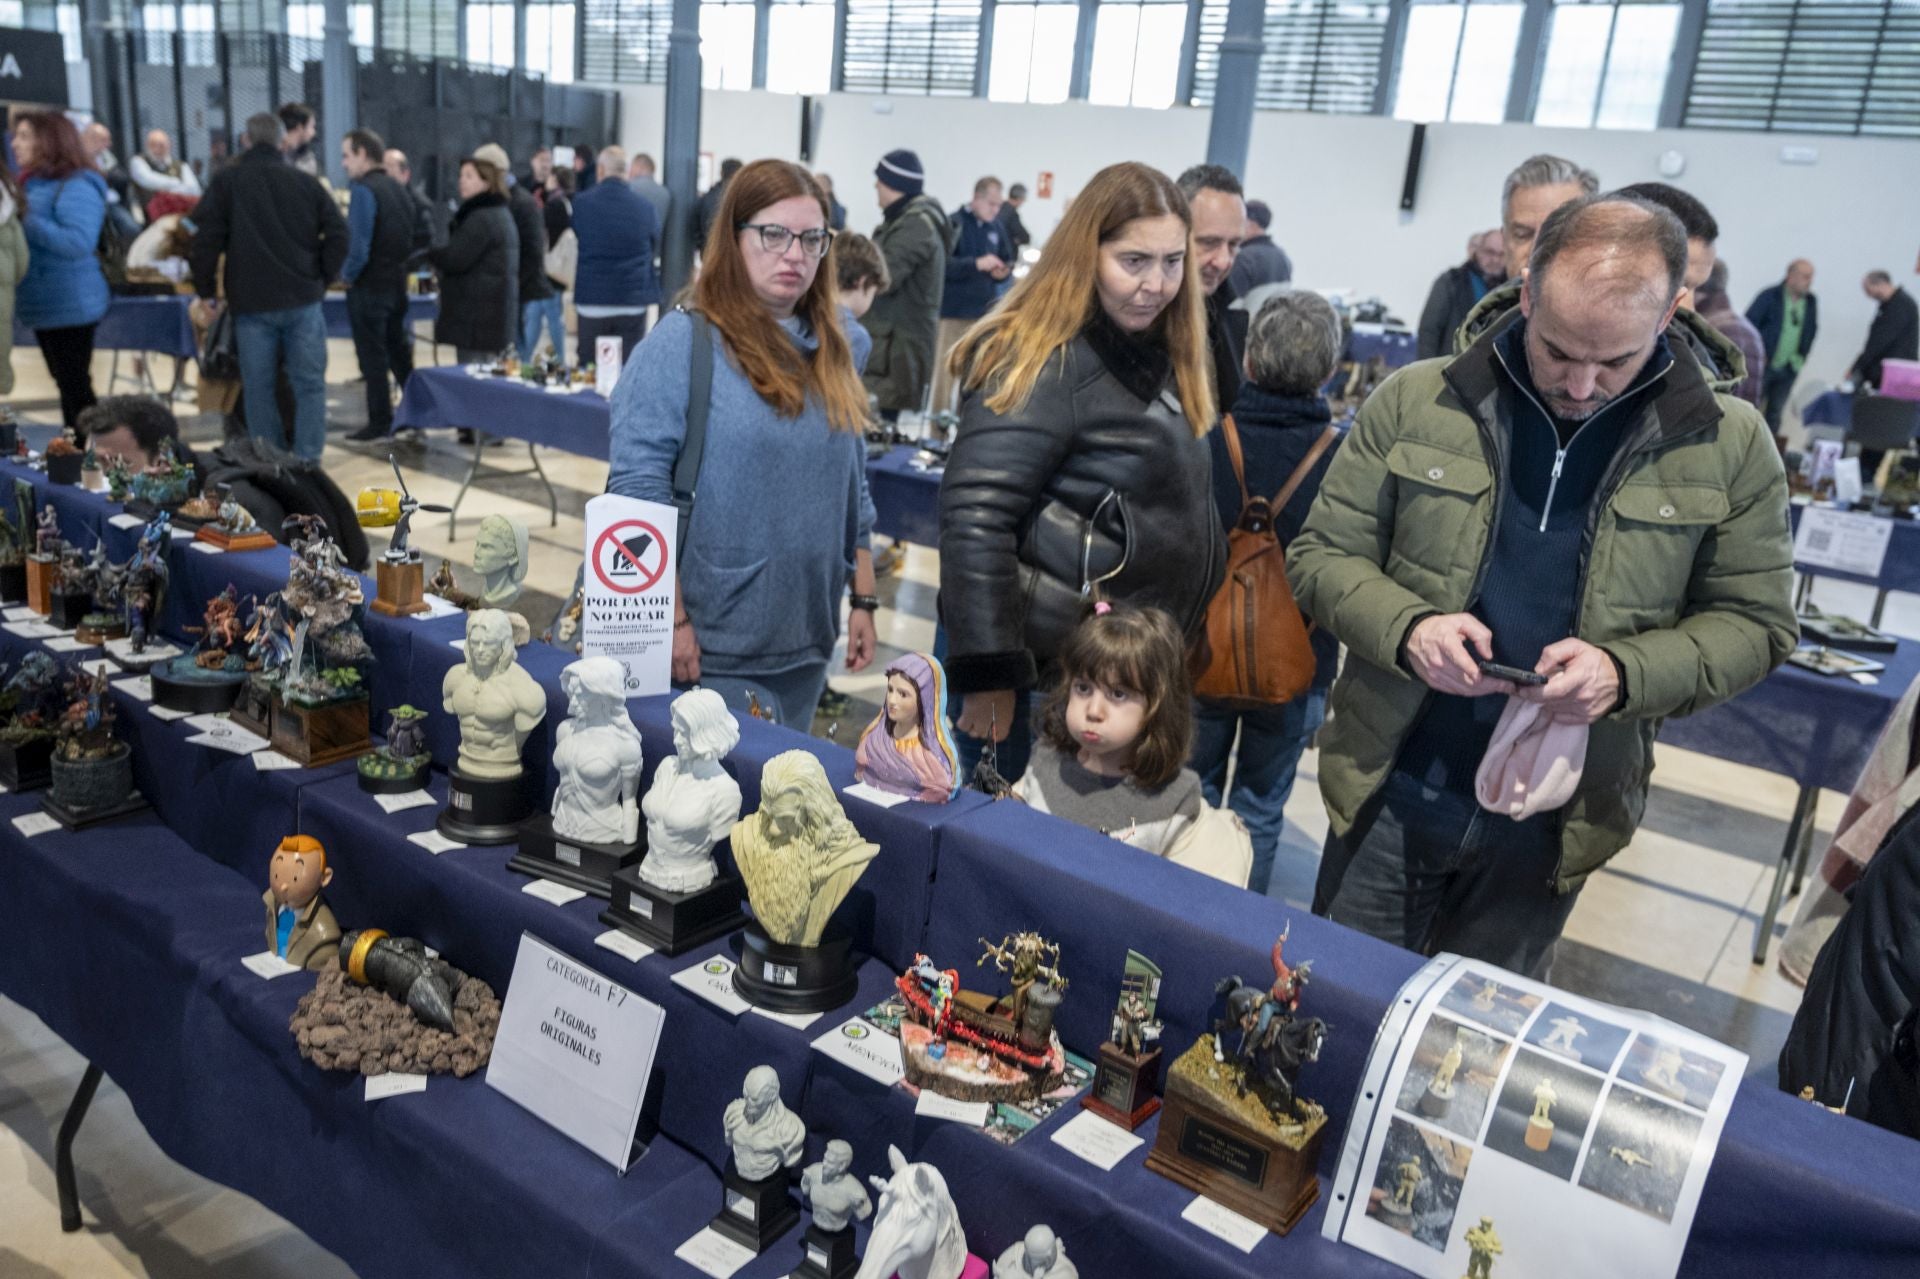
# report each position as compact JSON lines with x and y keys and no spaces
{"x":692,"y":803}
{"x":597,"y":754}
{"x":498,"y":703}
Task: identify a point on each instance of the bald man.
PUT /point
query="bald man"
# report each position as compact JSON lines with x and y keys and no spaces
{"x":615,"y":281}
{"x":1787,"y":315}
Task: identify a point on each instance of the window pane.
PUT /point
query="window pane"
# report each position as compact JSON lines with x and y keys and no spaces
{"x":911,"y":46}
{"x":1637,"y":67}
{"x":1426,"y":62}
{"x":1012,"y":59}
{"x":1032,"y":58}
{"x":800,"y":48}
{"x":1486,"y":63}
{"x":1570,"y":76}
{"x":1116,"y":35}
{"x":489,"y":34}
{"x":550,"y":42}
{"x":1156,"y":65}
{"x":726,"y":46}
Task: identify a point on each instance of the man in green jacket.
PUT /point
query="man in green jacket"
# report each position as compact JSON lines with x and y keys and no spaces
{"x":915,"y":238}
{"x":1568,"y":496}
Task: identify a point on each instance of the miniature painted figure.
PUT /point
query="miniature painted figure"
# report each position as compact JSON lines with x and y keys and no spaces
{"x":406,"y":732}
{"x":692,"y":803}
{"x":1442,"y":1084}
{"x":1540,"y":1126}
{"x":1128,"y":1072}
{"x":219,"y":632}
{"x":1411,"y":1175}
{"x":117,"y":477}
{"x":442,"y":584}
{"x":1132,"y":1018}
{"x":403,"y":762}
{"x":832,"y":1191}
{"x":597,"y":755}
{"x":227,"y":524}
{"x":798,"y":853}
{"x":1565,"y":1031}
{"x":500,"y":557}
{"x":1038,"y":1256}
{"x":323,"y":603}
{"x":975,"y":1047}
{"x":764,"y":1136}
{"x":1275,"y":1042}
{"x":1483,"y":1245}
{"x":165,"y":482}
{"x":497,"y":702}
{"x":144,"y":584}
{"x":916,"y":1229}
{"x":908,"y":749}
{"x":400,"y":966}
{"x":234,"y":518}
{"x":46,"y":534}
{"x":300,"y":928}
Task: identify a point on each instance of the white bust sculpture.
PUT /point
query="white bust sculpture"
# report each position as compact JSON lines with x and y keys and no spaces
{"x":692,"y":803}
{"x":597,"y":754}
{"x":497,"y":702}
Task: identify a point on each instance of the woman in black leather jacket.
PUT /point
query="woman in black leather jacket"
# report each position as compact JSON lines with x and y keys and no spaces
{"x":1080,"y":469}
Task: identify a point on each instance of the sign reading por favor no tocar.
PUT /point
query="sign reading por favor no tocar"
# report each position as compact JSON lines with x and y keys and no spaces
{"x":627,"y":607}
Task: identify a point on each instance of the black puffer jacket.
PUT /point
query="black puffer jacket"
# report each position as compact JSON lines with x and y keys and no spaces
{"x":1097,"y":478}
{"x":531,"y":228}
{"x":479,"y":269}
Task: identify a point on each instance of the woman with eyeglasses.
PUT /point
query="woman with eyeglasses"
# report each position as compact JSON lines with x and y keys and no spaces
{"x":781,"y":519}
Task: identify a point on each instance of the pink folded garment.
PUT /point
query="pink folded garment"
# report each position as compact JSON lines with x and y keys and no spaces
{"x":1533,"y":763}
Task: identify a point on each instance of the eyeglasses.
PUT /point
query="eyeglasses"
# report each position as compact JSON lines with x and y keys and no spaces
{"x":776,"y":239}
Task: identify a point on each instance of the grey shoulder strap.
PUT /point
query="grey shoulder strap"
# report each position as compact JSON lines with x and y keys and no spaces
{"x":693,"y":444}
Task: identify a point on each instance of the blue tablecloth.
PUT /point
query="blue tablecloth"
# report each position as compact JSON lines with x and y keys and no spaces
{"x":132,"y":935}
{"x":420,"y":306}
{"x":575,"y":422}
{"x":1832,"y":408}
{"x":1394,"y":346}
{"x":158,"y":324}
{"x":1899,"y":571}
{"x":906,"y":499}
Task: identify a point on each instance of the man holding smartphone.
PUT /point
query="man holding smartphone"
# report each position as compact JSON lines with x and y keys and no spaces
{"x":1568,"y":497}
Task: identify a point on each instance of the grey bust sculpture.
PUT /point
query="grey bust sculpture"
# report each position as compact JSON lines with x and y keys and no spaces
{"x":832,"y":1191}
{"x":1038,"y":1256}
{"x":763,"y":1134}
{"x":500,"y":557}
{"x":597,"y":755}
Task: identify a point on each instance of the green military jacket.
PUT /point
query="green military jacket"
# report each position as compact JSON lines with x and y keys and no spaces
{"x":905,"y":320}
{"x":1686,"y":579}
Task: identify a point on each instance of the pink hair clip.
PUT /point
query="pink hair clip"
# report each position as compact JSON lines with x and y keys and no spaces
{"x":1102,"y":609}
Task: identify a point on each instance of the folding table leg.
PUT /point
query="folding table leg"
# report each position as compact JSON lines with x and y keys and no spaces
{"x":479,"y":447}
{"x":553,"y":502}
{"x":1801,"y":856}
{"x":1879,"y":607}
{"x":63,"y":1149}
{"x":1799,"y":830}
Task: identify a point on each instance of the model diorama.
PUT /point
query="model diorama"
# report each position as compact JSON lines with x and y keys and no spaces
{"x":72,"y":592}
{"x":916,"y":1229}
{"x":92,"y":772}
{"x":231,"y":526}
{"x":107,"y":618}
{"x":1482,"y":1247}
{"x":162,"y":484}
{"x":765,"y":1140}
{"x":402,"y":764}
{"x":799,"y":856}
{"x":908,"y":749}
{"x":1038,"y":1256}
{"x":43,"y":561}
{"x":593,"y":829}
{"x":1235,"y":1128}
{"x":300,"y":928}
{"x":31,"y":703}
{"x":399,"y":574}
{"x":143,"y":594}
{"x":15,"y":545}
{"x":976,"y":1047}
{"x":118,"y":478}
{"x":208,"y":678}
{"x":1124,"y":1084}
{"x":498,"y":705}
{"x":1437,"y":1100}
{"x":677,"y":899}
{"x":384,"y":1004}
{"x":837,"y":1200}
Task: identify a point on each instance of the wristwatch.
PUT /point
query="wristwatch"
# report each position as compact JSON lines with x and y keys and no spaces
{"x":871,"y":603}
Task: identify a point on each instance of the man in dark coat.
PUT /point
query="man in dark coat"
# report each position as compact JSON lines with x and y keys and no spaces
{"x":1017,"y":234}
{"x":615,"y":281}
{"x":283,"y":240}
{"x":1895,"y":333}
{"x":980,"y":262}
{"x":915,"y":238}
{"x":1787,"y":315}
{"x":1260,"y":261}
{"x":1458,"y":290}
{"x":1219,"y":226}
{"x":531,"y":226}
{"x":379,"y":242}
{"x":709,"y":207}
{"x":429,"y":219}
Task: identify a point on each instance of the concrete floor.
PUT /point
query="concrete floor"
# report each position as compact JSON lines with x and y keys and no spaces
{"x":1667,"y":927}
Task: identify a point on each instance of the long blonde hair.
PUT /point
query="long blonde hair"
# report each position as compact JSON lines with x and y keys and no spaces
{"x":1008,"y":349}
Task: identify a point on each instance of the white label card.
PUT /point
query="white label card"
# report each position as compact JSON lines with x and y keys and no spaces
{"x":622,"y":945}
{"x":140,"y":686}
{"x":272,"y":761}
{"x":68,"y":644}
{"x":575,"y":1049}
{"x":167,"y":712}
{"x":394,"y":1083}
{"x":124,"y":520}
{"x":31,"y":630}
{"x":712,"y":980}
{"x":1224,"y":1223}
{"x":548,"y":891}
{"x":878,"y":798}
{"x":224,"y":735}
{"x":404,"y":800}
{"x":934,"y":1106}
{"x":268,"y":965}
{"x":31,"y":824}
{"x":19,"y":613}
{"x":1845,"y":541}
{"x":712,"y":1253}
{"x":1100,"y":1143}
{"x":799,"y":1021}
{"x":436,"y":607}
{"x":434,"y":842}
{"x":205,"y":548}
{"x":859,"y":1045}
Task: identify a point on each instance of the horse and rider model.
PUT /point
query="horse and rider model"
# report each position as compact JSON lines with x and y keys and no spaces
{"x":1274,"y":1041}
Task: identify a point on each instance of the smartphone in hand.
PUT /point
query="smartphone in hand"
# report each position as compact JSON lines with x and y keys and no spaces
{"x":1512,"y":674}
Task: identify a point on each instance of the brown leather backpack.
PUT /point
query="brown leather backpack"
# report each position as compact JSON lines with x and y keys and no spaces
{"x":1255,"y":650}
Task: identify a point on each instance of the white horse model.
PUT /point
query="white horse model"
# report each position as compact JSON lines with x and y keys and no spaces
{"x":916,"y":1232}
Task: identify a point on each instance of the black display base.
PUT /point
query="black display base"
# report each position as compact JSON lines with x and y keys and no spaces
{"x":796,"y":979}
{"x":575,"y":863}
{"x":26,"y":767}
{"x":204,"y":696}
{"x":483,"y":810}
{"x":69,"y":607}
{"x":13,"y":583}
{"x":416,"y":780}
{"x":756,"y":1212}
{"x":674,"y":922}
{"x":829,"y":1254}
{"x":80,"y":819}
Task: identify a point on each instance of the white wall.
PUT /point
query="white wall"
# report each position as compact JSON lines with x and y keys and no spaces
{"x":1334,"y":183}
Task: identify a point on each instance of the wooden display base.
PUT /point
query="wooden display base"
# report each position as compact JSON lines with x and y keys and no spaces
{"x":1123,"y":1085}
{"x":41,"y":570}
{"x":214,"y":535}
{"x":673,"y":923}
{"x":399,"y":588}
{"x":253,"y":709}
{"x":573,"y":862}
{"x":90,"y":633}
{"x":1261,"y":1170}
{"x":317,"y":735}
{"x":756,"y":1212}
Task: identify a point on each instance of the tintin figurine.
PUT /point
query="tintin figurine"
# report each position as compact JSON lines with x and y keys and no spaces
{"x":975,"y":1047}
{"x":403,"y":763}
{"x":908,"y":749}
{"x":233,"y":527}
{"x":1540,"y":1126}
{"x":916,"y":1228}
{"x":1129,"y":1071}
{"x":799,"y":857}
{"x":765,"y":1140}
{"x":1038,"y":1256}
{"x":837,"y":1200}
{"x":1235,"y":1127}
{"x":498,"y":705}
{"x":676,"y":898}
{"x":300,"y":928}
{"x":1437,"y":1100}
{"x":593,"y":828}
{"x":1482,"y":1247}
{"x":92,"y":773}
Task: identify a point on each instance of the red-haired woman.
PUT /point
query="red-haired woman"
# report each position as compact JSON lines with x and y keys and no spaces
{"x":63,"y":294}
{"x":781,"y":520}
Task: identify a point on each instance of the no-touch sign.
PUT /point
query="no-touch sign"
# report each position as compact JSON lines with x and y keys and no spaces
{"x":627,"y":603}
{"x":629,"y":557}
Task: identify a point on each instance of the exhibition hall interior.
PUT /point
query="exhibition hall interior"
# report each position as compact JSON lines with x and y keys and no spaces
{"x":997,"y":638}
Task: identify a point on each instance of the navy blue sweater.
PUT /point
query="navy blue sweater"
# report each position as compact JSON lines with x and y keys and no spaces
{"x":618,"y":234}
{"x":1530,"y":589}
{"x":970,"y":291}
